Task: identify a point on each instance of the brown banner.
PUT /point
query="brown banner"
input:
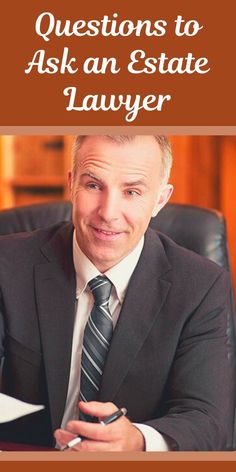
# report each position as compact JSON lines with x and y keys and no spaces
{"x":152,"y":466}
{"x":108,"y":63}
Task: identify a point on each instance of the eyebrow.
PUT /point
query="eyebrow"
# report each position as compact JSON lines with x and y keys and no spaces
{"x":131,"y":183}
{"x":135,"y":183}
{"x":90,"y":174}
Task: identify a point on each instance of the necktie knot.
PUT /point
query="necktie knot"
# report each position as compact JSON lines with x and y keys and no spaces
{"x":101,"y":289}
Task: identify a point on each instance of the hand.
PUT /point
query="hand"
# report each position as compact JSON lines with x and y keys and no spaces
{"x":121,"y":435}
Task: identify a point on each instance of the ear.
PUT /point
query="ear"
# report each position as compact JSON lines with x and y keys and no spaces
{"x":162,"y":199}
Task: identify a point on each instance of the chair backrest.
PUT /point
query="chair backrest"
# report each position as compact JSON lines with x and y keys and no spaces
{"x":31,"y":217}
{"x":199,"y":229}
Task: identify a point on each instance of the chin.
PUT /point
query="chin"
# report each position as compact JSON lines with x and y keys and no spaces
{"x":103,"y":262}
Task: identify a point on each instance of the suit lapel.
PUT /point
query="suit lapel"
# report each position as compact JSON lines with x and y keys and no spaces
{"x":55,"y":298}
{"x":145,"y":297}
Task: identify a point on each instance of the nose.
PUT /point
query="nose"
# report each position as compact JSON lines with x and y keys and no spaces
{"x":109,"y":207}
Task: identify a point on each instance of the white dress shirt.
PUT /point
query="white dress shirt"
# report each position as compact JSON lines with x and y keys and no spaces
{"x":119,"y":275}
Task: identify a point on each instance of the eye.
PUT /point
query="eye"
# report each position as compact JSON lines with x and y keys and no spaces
{"x":132,"y":193}
{"x":93,"y":186}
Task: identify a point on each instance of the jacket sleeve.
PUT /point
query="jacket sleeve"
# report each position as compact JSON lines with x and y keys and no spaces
{"x":199,"y":396}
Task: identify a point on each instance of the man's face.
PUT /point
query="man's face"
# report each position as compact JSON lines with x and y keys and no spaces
{"x":116,"y":190}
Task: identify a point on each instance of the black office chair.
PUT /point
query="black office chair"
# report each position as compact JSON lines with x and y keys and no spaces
{"x":31,"y":217}
{"x":201,"y":230}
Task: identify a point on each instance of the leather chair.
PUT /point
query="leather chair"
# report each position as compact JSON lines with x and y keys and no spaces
{"x":31,"y":217}
{"x":199,"y":229}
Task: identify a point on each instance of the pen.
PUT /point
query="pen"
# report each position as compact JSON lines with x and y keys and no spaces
{"x":109,"y":419}
{"x":114,"y":416}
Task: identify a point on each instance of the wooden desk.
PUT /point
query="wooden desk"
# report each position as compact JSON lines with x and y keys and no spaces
{"x":7,"y":446}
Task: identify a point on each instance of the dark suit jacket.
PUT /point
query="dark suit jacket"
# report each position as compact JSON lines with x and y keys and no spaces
{"x":167,"y":363}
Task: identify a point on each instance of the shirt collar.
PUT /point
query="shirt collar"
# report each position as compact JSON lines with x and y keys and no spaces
{"x":119,"y":275}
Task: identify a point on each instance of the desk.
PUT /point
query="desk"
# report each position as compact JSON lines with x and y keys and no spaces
{"x":8,"y":446}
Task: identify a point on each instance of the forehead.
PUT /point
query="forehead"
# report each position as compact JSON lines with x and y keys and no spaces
{"x":140,"y":153}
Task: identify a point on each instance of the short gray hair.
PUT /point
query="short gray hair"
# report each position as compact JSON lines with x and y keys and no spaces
{"x":162,"y":140}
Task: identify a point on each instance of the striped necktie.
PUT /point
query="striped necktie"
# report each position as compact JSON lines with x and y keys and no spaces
{"x":97,"y":337}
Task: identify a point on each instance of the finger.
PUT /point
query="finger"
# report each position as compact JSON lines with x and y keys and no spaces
{"x":94,"y":431}
{"x":62,"y":437}
{"x":96,"y":446}
{"x":98,"y":409}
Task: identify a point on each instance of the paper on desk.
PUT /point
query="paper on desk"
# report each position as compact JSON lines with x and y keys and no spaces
{"x":11,"y":408}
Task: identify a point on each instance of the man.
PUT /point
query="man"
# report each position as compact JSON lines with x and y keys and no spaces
{"x":166,"y":361}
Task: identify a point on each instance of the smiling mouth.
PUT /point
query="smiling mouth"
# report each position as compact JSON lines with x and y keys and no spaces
{"x":109,"y":233}
{"x":105,"y":234}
